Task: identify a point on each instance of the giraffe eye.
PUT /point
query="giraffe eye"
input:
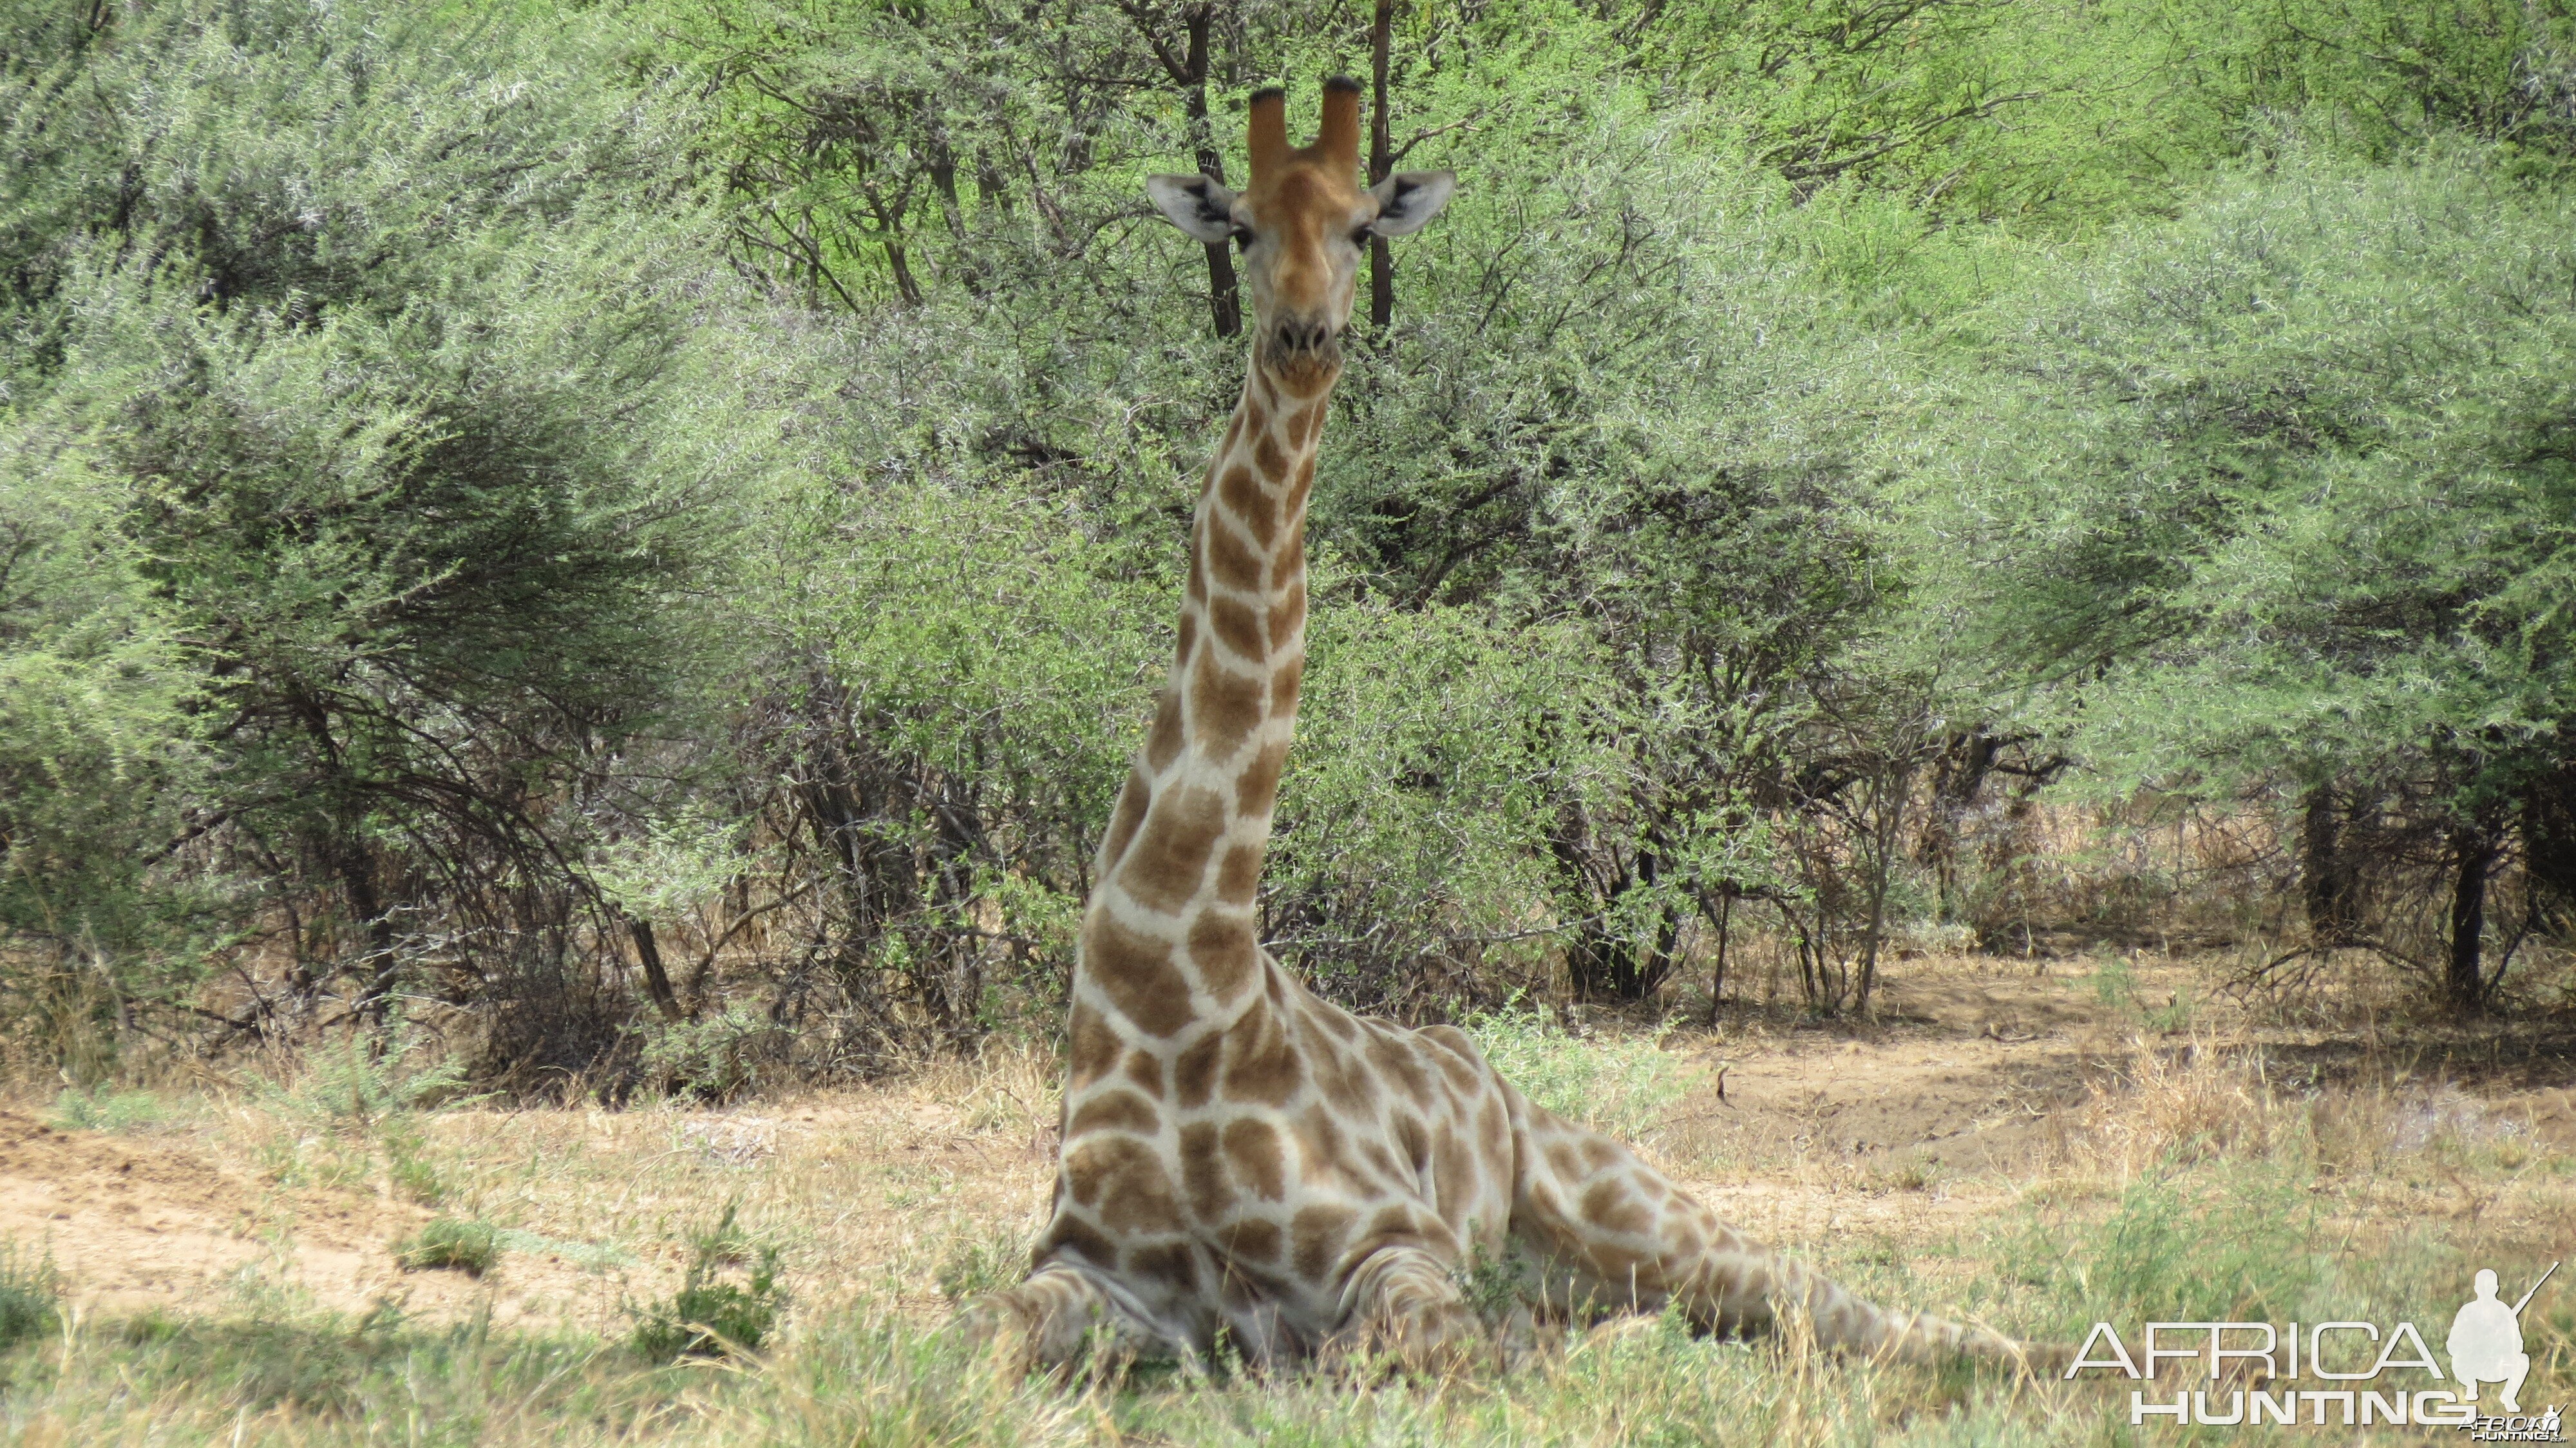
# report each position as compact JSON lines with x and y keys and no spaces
{"x":1360,"y":237}
{"x":1243,"y":237}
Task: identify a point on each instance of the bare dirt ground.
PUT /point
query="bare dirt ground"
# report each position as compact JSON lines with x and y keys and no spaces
{"x":1984,"y":1081}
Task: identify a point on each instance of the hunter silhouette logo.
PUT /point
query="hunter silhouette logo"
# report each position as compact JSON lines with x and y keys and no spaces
{"x":2486,"y":1341}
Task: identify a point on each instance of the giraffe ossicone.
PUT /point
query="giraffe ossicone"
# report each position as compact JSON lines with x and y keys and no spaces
{"x":1241,"y":1158}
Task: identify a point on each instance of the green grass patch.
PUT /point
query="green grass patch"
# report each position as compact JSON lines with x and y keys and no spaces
{"x":103,"y":1108}
{"x":729,"y":1299}
{"x":977,"y":1263}
{"x":193,"y":1379}
{"x":447,"y":1244}
{"x":30,"y":1295}
{"x":2229,"y":1240}
{"x":590,"y":1256}
{"x":1621,"y":1086}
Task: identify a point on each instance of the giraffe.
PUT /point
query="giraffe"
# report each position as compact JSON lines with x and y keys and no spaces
{"x":1240,"y":1157}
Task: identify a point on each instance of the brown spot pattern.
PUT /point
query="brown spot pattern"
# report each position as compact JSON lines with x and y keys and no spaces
{"x":1239,"y":878}
{"x":1203,"y":1172}
{"x":1283,"y":686}
{"x":1288,"y":615}
{"x":1122,"y":1179}
{"x":1240,"y":627}
{"x":1290,"y":561}
{"x":1241,"y":492}
{"x":1235,"y":565}
{"x":1164,"y":741}
{"x":1194,"y":1071}
{"x":1316,"y":1234}
{"x":1132,"y":799}
{"x":1222,"y":948}
{"x":1260,"y":1065}
{"x":1174,"y":1263}
{"x":1252,"y":1153}
{"x":1136,"y":973}
{"x":1606,"y":1204}
{"x":1256,"y":790}
{"x":1115,"y":1111}
{"x":1092,"y":1045}
{"x":1071,"y":1232}
{"x":1255,"y":1239}
{"x":1304,"y":424}
{"x":1226,"y":706}
{"x":1343,"y":1078}
{"x":1171,"y":855}
{"x":1145,"y":1070}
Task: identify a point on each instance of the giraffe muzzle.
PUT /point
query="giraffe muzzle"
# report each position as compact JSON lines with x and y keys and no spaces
{"x":1304,"y":351}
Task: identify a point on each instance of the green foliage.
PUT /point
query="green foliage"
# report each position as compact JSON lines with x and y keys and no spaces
{"x":712,"y":1057}
{"x":357,"y":1107}
{"x":364,"y":406}
{"x":30,"y":1293}
{"x":1618,"y":1086}
{"x":2227,"y":1241}
{"x":2278,"y":492}
{"x":358,"y":1084}
{"x":657,"y":523}
{"x":1495,"y":1284}
{"x":979,"y":1263}
{"x":2066,"y":113}
{"x":104,"y":1108}
{"x":712,"y":1314}
{"x":456,"y":1383}
{"x":447,"y":1243}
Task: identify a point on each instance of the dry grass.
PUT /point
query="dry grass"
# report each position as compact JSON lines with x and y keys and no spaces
{"x":2020,"y":1147}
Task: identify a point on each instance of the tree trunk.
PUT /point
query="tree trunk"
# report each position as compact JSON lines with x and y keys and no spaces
{"x":2549,"y":848}
{"x":357,"y":871}
{"x":657,"y":982}
{"x":1958,"y":777}
{"x":1381,"y":163}
{"x":1717,"y":976}
{"x":1225,"y":304}
{"x":2474,"y":850}
{"x":2327,"y":880}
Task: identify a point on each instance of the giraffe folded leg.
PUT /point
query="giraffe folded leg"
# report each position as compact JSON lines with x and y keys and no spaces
{"x":1049,"y":1319}
{"x":1404,"y":1308}
{"x":1612,"y":1233}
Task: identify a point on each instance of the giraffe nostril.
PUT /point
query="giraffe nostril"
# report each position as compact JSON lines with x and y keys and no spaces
{"x":1302,"y":338}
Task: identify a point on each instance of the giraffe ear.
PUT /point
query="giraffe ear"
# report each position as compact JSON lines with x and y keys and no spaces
{"x":1196,"y":204}
{"x":1407,"y":200}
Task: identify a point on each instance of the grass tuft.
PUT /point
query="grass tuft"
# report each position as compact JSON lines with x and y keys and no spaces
{"x":30,"y":1294}
{"x":977,"y":1263}
{"x":1622,"y":1086}
{"x":449,"y":1244}
{"x":713,"y":1314}
{"x":103,"y":1108}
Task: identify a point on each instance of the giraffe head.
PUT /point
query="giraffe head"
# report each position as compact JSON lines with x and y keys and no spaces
{"x":1302,"y":222}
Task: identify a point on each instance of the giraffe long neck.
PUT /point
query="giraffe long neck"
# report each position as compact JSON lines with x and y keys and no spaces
{"x":1169,"y":937}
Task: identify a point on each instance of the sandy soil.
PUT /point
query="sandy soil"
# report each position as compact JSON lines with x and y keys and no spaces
{"x":1911,"y":1130}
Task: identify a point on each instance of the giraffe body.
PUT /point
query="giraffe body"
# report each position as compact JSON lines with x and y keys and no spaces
{"x":1241,"y":1157}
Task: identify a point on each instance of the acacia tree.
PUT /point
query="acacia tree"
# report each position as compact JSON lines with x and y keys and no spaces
{"x":2280,"y":492}
{"x":380,"y":415}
